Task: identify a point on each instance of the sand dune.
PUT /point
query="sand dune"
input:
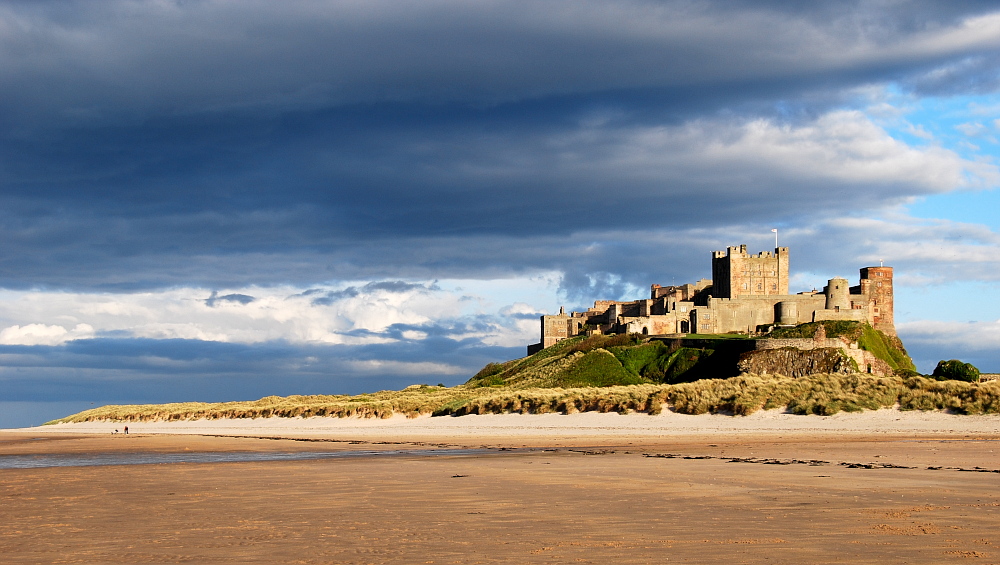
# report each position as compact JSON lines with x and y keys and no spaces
{"x":591,"y":424}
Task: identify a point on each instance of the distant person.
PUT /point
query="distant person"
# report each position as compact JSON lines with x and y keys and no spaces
{"x":126,"y":430}
{"x":115,"y":432}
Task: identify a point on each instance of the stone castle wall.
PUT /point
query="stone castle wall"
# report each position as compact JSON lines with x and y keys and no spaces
{"x":747,"y":293}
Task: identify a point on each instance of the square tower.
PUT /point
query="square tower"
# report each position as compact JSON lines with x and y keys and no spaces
{"x":736,"y":273}
{"x":876,"y":285}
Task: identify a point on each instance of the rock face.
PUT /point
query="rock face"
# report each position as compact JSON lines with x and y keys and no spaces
{"x":793,"y":362}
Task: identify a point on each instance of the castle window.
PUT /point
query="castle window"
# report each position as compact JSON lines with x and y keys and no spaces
{"x":774,"y":287}
{"x":759,"y":286}
{"x":880,"y":283}
{"x":745,"y":286}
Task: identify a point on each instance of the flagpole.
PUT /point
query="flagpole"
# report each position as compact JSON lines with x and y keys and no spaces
{"x":775,"y":230}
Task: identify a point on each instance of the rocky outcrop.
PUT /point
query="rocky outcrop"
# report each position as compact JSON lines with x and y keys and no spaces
{"x":793,"y":362}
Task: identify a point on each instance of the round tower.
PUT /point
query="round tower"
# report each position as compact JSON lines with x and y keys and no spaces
{"x":838,"y":294}
{"x":788,"y":313}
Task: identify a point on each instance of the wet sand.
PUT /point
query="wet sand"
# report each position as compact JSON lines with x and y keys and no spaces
{"x":708,"y":495}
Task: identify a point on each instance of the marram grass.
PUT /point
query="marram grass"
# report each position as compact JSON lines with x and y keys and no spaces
{"x":814,"y":394}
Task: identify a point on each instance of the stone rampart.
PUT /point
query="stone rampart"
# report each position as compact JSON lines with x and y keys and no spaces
{"x":805,"y":343}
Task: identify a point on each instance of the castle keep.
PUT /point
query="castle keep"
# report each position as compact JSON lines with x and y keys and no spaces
{"x":747,"y":294}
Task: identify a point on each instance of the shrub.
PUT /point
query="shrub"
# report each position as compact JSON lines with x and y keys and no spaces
{"x":605,"y":341}
{"x":955,"y":370}
{"x":834,"y":328}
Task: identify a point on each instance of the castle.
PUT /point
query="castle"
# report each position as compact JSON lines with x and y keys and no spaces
{"x":747,"y":294}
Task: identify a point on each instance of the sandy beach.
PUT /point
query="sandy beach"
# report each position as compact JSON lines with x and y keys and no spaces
{"x":885,"y":486}
{"x":559,"y":427}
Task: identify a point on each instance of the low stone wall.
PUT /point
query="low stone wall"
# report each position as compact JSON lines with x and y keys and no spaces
{"x":804,"y":344}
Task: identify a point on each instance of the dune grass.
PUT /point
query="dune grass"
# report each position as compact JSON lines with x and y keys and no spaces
{"x":814,"y":394}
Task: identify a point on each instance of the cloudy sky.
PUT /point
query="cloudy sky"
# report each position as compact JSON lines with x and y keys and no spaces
{"x":214,"y":200}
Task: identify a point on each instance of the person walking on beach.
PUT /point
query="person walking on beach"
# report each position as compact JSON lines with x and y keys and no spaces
{"x":126,"y":430}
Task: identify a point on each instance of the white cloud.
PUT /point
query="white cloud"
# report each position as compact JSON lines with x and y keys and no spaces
{"x":405,"y":368}
{"x":960,"y":336}
{"x":41,"y":334}
{"x":842,"y":149}
{"x":971,"y":129}
{"x":954,"y":250}
{"x":977,"y":130}
{"x":919,"y":131}
{"x":475,"y":309}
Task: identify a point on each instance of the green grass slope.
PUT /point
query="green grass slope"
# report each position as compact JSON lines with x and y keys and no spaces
{"x":603,"y":361}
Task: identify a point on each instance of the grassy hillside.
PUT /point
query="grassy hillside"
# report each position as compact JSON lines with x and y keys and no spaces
{"x":606,"y":361}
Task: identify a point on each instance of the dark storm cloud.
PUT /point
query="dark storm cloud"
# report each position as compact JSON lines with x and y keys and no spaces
{"x":211,"y":301}
{"x":152,"y":144}
{"x":126,"y":60}
{"x":324,"y":202}
{"x":970,"y":75}
{"x":326,"y":298}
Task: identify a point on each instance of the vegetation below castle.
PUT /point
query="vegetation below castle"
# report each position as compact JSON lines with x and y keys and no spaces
{"x":630,"y":359}
{"x":743,"y":395}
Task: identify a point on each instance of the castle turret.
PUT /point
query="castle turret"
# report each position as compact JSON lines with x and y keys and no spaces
{"x":838,"y":294}
{"x":788,"y":313}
